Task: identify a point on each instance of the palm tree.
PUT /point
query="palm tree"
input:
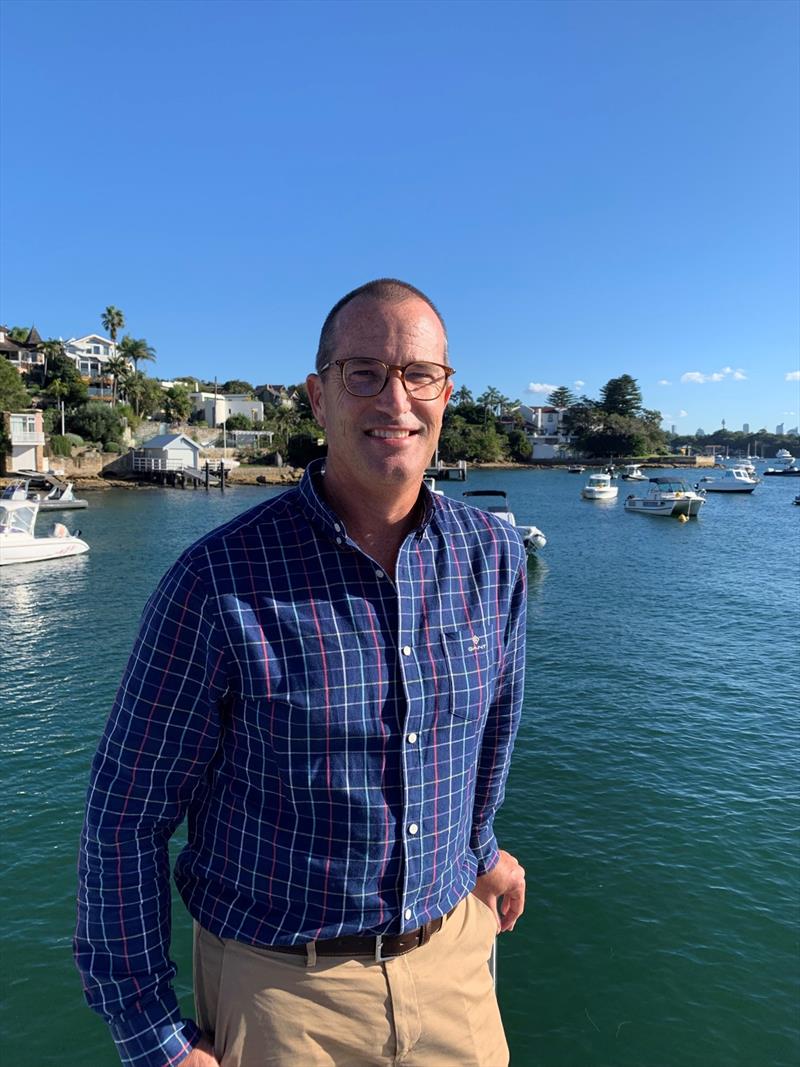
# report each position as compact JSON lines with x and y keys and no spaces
{"x":135,"y":350}
{"x":117,"y":367}
{"x":113,"y":320}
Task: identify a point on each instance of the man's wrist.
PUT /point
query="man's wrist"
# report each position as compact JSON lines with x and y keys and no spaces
{"x":155,"y":1035}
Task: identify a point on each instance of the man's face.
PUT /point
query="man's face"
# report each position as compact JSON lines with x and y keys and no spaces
{"x":389,"y":438}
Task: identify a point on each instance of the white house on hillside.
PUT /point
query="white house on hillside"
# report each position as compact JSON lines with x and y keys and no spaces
{"x":90,"y":353}
{"x":544,"y":427}
{"x":216,"y":408}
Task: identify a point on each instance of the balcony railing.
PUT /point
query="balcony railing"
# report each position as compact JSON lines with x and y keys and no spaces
{"x":27,"y":437}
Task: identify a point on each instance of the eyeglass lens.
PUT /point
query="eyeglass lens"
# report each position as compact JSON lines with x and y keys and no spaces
{"x":366,"y":377}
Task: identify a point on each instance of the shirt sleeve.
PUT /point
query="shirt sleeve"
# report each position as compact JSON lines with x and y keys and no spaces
{"x":162,"y":733}
{"x":502,"y":722}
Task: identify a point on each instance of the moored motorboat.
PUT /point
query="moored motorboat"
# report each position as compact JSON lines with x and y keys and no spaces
{"x":734,"y":480}
{"x":632,"y":472}
{"x":56,"y":495}
{"x":784,"y":472}
{"x":599,"y":487}
{"x":19,"y":543}
{"x":667,"y":496}
{"x":575,"y":468}
{"x":495,"y":501}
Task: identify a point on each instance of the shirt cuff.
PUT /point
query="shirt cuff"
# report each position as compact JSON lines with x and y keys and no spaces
{"x":485,"y":848}
{"x":154,"y":1035}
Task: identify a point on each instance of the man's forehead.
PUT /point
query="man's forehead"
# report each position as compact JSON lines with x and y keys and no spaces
{"x":380,"y":320}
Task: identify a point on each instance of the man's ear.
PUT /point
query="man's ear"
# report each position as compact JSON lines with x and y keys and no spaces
{"x":316,"y":398}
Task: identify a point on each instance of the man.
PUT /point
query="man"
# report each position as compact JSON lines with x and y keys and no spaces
{"x":328,"y":687}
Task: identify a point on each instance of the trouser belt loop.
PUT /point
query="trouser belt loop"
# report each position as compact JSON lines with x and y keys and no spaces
{"x":311,"y":953}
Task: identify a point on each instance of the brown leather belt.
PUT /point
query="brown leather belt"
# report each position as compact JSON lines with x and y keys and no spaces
{"x":380,"y":947}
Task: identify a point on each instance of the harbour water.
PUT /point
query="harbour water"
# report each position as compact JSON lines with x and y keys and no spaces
{"x":653,"y":798}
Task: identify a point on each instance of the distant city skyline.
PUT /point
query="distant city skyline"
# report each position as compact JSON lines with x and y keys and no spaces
{"x":585,"y":189}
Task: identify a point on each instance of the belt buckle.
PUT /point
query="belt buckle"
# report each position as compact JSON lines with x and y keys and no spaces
{"x":379,"y":957}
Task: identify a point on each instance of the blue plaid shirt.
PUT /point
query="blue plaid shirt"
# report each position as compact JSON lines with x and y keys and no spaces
{"x":339,"y":741}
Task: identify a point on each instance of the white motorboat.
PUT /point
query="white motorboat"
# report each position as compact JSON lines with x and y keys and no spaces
{"x":495,"y":501}
{"x":734,"y":480}
{"x":19,"y":543}
{"x":55,"y":495}
{"x":599,"y":487}
{"x":783,"y":455}
{"x":667,"y":496}
{"x":632,"y":472}
{"x":575,"y":468}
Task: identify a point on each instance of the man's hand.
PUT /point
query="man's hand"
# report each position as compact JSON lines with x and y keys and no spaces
{"x":202,"y":1055}
{"x":506,"y":880}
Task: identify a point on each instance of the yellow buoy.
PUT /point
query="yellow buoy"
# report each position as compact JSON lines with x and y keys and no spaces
{"x":683,"y":518}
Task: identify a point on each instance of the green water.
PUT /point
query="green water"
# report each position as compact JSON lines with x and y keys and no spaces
{"x":653,"y":797}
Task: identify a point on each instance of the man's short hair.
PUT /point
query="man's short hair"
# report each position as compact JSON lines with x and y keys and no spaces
{"x":382,"y":290}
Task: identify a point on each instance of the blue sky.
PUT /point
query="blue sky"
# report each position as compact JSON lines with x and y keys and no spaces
{"x":585,"y":189}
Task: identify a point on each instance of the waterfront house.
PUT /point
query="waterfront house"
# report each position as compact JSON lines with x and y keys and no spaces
{"x":24,"y":434}
{"x":25,"y":355}
{"x":544,"y":428}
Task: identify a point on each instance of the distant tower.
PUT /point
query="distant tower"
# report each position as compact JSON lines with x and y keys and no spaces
{"x":723,"y":424}
{"x":673,"y":431}
{"x":779,"y":430}
{"x":746,"y":427}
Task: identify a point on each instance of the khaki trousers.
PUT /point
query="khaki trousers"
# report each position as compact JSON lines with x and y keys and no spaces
{"x":433,"y":1007}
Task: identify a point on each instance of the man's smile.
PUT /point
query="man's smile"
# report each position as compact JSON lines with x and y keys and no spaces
{"x":391,"y":434}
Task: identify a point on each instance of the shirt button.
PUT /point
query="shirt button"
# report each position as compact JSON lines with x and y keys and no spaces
{"x":378,"y":574}
{"x":412,"y":739}
{"x":413,"y":828}
{"x":336,"y":527}
{"x":408,"y":913}
{"x":338,"y":540}
{"x":406,"y":650}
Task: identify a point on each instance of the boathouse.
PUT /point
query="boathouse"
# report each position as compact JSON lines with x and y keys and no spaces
{"x":167,"y":452}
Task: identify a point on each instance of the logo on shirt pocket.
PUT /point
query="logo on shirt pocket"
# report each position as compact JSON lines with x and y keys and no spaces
{"x":468,"y":667}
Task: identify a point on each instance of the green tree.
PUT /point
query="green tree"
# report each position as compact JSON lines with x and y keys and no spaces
{"x":96,"y":421}
{"x":113,"y":320}
{"x":145,"y":393}
{"x":61,"y":368}
{"x":237,"y":422}
{"x":13,"y":394}
{"x":18,"y":334}
{"x":493,"y":400}
{"x":118,"y":367}
{"x":236,"y":385}
{"x":519,"y":447}
{"x":177,"y":404}
{"x":461,"y":396}
{"x":561,"y":397}
{"x":621,"y":396}
{"x":135,"y":350}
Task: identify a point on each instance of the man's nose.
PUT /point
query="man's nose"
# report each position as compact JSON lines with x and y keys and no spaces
{"x":393,"y":396}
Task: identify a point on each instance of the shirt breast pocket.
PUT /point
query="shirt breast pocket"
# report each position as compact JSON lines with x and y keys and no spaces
{"x":468,"y":667}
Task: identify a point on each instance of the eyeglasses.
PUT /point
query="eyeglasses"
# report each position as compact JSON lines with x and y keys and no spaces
{"x":363,"y":376}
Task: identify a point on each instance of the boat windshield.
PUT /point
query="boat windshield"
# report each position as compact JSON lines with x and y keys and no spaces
{"x":17,"y":520}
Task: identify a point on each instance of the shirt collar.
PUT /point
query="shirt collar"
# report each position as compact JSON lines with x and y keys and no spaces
{"x":325,"y":518}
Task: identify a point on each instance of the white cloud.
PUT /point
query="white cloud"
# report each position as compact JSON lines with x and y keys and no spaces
{"x":715,"y":376}
{"x":540,"y":387}
{"x":663,"y":381}
{"x":579,"y":382}
{"x":683,"y":414}
{"x":793,"y":376}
